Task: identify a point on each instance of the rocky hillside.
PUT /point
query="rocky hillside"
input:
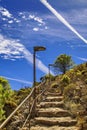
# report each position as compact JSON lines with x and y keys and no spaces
{"x":72,"y":86}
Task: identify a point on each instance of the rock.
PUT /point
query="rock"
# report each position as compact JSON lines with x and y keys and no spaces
{"x":15,"y":125}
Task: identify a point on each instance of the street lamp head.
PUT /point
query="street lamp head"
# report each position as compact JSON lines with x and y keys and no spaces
{"x":39,"y":48}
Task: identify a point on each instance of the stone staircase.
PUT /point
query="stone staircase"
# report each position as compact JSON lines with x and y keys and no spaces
{"x":51,"y":114}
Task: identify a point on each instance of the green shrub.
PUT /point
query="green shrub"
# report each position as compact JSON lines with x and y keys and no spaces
{"x":54,"y":85}
{"x":78,"y":73}
{"x":51,"y":77}
{"x":86,"y":81}
{"x":65,"y":79}
{"x":69,"y":92}
{"x":5,"y":95}
{"x":21,"y":94}
{"x":9,"y":107}
{"x":74,"y":108}
{"x":80,"y":67}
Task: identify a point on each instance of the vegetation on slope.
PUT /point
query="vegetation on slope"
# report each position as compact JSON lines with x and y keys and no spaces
{"x":73,"y":85}
{"x":10,"y":99}
{"x":5,"y":96}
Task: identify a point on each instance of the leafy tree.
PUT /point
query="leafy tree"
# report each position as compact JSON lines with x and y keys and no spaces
{"x":63,"y":63}
{"x":5,"y":94}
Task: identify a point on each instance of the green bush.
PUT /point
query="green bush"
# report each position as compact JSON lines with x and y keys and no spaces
{"x":86,"y":81}
{"x":5,"y":95}
{"x":69,"y":92}
{"x":54,"y":85}
{"x":21,"y":94}
{"x":51,"y":77}
{"x":78,"y":73}
{"x":9,"y":107}
{"x":74,"y":108}
{"x":65,"y":79}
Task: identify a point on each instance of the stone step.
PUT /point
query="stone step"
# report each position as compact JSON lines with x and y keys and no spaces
{"x":50,"y":104}
{"x":63,"y":121}
{"x":52,"y":90}
{"x":52,"y":128}
{"x":52,"y":94}
{"x":52,"y":112}
{"x":53,"y":99}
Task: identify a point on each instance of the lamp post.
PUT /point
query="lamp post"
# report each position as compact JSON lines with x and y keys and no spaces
{"x":49,"y":72}
{"x":35,"y":49}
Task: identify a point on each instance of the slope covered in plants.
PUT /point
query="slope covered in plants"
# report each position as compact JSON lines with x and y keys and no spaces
{"x":73,"y":86}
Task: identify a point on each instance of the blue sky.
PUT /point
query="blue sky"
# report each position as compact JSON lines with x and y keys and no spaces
{"x":30,"y":23}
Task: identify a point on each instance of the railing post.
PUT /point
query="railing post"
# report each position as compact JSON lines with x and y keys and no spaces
{"x":34,"y":108}
{"x":29,"y":112}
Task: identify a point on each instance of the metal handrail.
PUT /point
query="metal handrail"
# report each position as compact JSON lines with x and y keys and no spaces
{"x":13,"y":113}
{"x":29,"y":115}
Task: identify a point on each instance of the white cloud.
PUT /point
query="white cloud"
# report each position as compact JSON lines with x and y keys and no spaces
{"x":28,"y":16}
{"x":16,"y":20}
{"x":31,"y":16}
{"x":24,"y":17}
{"x":76,"y":16}
{"x":5,"y":12}
{"x":38,"y":19}
{"x":32,"y":20}
{"x":4,"y":19}
{"x":7,"y":16}
{"x":12,"y":49}
{"x":20,"y":13}
{"x":36,"y":29}
{"x":46,"y":27}
{"x":11,"y":21}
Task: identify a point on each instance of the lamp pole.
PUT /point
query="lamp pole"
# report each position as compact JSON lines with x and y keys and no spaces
{"x":34,"y":68}
{"x":49,"y":72}
{"x":35,"y":49}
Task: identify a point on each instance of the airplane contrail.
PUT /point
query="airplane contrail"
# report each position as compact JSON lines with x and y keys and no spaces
{"x":81,"y":58}
{"x":62,"y":20}
{"x":17,"y":80}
